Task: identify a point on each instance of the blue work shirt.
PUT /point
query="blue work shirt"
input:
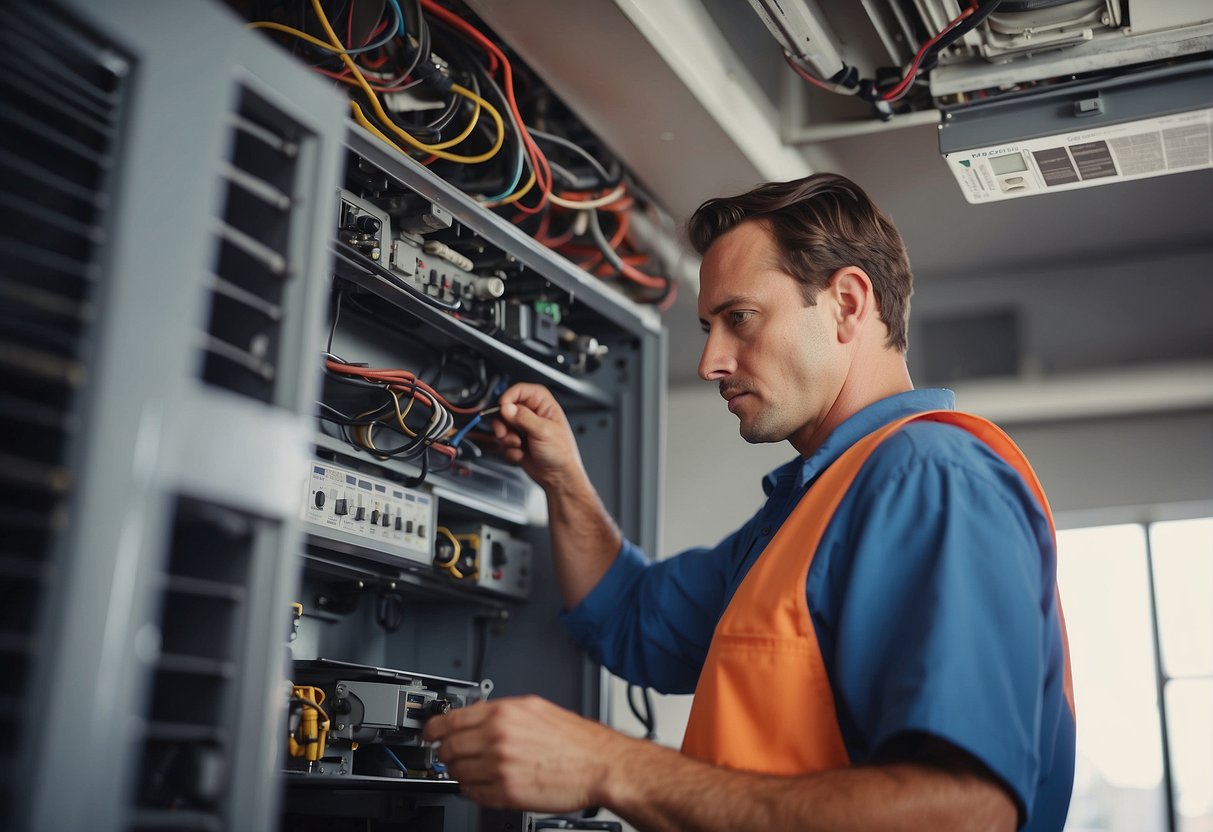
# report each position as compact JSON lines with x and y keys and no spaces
{"x":932,"y":595}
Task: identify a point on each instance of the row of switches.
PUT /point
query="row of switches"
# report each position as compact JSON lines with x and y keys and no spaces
{"x":341,"y":507}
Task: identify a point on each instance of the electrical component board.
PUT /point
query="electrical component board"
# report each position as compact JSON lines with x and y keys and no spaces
{"x":374,"y":717}
{"x":386,"y":517}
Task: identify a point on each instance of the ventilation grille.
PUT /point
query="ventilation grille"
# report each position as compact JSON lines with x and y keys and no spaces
{"x":184,"y":779}
{"x":60,"y":97}
{"x":252,"y":263}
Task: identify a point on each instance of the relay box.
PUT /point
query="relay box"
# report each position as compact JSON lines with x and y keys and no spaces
{"x":500,"y":562}
{"x":355,"y":508}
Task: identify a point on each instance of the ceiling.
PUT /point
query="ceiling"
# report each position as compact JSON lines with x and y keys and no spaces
{"x":690,"y":93}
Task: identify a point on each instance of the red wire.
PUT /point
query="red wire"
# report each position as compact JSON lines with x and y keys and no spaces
{"x":806,"y":76}
{"x":899,"y":90}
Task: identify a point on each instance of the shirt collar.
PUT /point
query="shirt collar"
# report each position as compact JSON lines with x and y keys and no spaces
{"x":800,"y":471}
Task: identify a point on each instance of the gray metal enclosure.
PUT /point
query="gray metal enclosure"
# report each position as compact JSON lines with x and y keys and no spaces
{"x":168,"y":262}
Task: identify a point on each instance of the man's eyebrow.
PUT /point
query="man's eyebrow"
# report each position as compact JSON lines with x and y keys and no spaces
{"x":726,"y":303}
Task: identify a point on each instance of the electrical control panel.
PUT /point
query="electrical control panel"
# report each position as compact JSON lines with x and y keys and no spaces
{"x":386,"y":517}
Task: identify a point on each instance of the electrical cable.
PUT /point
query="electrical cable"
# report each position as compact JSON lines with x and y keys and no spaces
{"x":838,"y":89}
{"x":607,"y":179}
{"x":648,"y":718}
{"x":902,"y":86}
{"x":480,"y":647}
{"x":408,"y":139}
{"x":982,"y":11}
{"x":522,"y":157}
{"x":543,"y":176}
{"x":631,"y":273}
{"x":395,"y":759}
{"x":615,"y":195}
{"x":324,"y":717}
{"x":336,"y":316}
{"x":450,"y":565}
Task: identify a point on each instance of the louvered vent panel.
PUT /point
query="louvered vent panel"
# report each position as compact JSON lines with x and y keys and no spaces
{"x":252,"y":264}
{"x":60,"y":94}
{"x":184,"y":779}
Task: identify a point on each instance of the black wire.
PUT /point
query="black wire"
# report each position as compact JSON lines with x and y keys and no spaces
{"x":422,"y":50}
{"x":457,"y":51}
{"x":481,"y":647}
{"x":336,"y":316}
{"x":648,"y":719}
{"x":413,"y":482}
{"x":931,"y":59}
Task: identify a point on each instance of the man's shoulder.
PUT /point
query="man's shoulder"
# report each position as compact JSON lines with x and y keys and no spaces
{"x":926,"y":444}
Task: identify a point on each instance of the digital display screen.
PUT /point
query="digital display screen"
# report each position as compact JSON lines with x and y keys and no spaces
{"x":1008,"y":163}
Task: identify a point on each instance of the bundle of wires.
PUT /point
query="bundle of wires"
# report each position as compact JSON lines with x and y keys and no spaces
{"x":396,"y":397}
{"x":393,"y":55}
{"x":846,"y":82}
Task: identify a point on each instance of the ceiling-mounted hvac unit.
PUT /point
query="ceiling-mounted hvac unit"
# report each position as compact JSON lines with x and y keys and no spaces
{"x":1082,"y":134}
{"x":1036,"y":96}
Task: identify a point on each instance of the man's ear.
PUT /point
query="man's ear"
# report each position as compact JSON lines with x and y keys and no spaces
{"x":854,"y":301}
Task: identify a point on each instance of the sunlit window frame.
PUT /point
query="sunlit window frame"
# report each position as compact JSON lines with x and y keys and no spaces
{"x":1090,"y":520}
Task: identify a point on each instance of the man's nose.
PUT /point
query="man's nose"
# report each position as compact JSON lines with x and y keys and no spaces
{"x":716,"y":362}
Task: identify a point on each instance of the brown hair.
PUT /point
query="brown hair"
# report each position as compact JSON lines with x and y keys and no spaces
{"x":821,"y":223}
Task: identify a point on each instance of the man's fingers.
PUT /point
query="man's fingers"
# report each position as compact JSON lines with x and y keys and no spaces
{"x":522,"y":417}
{"x":460,"y":719}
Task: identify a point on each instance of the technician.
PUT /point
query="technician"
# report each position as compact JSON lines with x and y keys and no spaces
{"x":880,"y":647}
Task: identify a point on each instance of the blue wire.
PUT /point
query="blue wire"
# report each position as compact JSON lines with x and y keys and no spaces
{"x":382,"y":41}
{"x":396,"y":759}
{"x":402,"y":31}
{"x":463,"y":431}
{"x":517,"y":178}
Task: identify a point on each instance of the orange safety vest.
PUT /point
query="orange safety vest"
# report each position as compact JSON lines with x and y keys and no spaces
{"x":763,"y":702}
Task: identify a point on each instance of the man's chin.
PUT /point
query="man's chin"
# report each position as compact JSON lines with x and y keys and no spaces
{"x":756,"y":435}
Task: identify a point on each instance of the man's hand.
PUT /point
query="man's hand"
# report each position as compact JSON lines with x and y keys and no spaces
{"x":534,"y":433}
{"x":526,"y":753}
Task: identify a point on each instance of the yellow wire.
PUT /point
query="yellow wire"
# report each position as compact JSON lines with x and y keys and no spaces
{"x":290,"y":30}
{"x":450,"y":565}
{"x":467,"y":131}
{"x":401,"y":414}
{"x":383,"y":117}
{"x":465,"y":539}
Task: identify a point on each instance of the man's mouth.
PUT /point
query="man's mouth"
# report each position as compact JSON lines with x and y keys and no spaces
{"x":733,"y":396}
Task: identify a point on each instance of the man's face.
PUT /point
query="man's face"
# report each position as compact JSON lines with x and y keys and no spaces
{"x":778,"y":361}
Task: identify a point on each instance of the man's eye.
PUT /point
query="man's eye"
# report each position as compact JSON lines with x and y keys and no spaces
{"x":739,"y":317}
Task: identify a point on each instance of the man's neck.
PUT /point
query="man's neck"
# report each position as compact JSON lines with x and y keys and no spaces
{"x":880,"y":379}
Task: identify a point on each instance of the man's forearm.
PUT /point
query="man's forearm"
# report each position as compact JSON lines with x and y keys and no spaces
{"x":585,"y":540}
{"x":656,"y":789}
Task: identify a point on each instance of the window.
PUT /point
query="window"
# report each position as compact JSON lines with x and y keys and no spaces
{"x":1138,"y":601}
